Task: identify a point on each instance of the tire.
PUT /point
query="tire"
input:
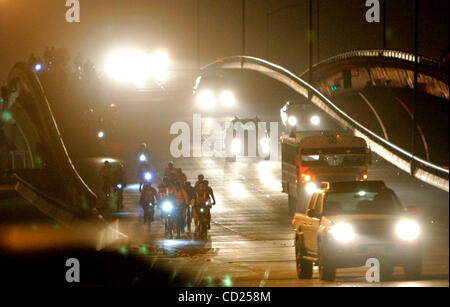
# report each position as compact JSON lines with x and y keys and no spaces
{"x":203,"y":233}
{"x":291,"y":205}
{"x":413,"y":271}
{"x":327,"y":271}
{"x":304,"y":267}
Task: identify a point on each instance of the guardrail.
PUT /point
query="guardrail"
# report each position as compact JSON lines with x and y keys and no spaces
{"x":419,"y":168}
{"x":24,"y":83}
{"x":387,"y":54}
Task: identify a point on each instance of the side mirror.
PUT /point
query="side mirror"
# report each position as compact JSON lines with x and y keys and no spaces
{"x":411,"y":210}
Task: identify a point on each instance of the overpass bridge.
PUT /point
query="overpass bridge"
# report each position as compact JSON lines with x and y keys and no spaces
{"x":44,"y":172}
{"x":408,"y":161}
{"x":41,"y":170}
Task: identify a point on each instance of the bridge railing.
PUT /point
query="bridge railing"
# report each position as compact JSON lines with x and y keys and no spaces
{"x":393,"y":54}
{"x":419,"y":168}
{"x":29,"y":94}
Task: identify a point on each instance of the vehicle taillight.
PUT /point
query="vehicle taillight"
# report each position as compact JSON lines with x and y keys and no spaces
{"x":307,"y":177}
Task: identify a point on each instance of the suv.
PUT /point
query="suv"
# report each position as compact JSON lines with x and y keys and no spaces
{"x":346,"y":223}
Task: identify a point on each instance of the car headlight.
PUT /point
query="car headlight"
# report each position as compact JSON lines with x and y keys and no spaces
{"x":235,"y":146}
{"x":167,"y":206}
{"x":342,"y":232}
{"x":142,"y":158}
{"x":292,"y":120}
{"x":315,"y":120}
{"x":311,"y":187}
{"x":227,"y":98}
{"x":407,"y":230}
{"x":119,"y":186}
{"x":206,"y":99}
{"x":265,"y":145}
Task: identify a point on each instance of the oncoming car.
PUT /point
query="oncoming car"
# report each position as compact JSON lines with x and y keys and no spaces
{"x":347,"y":223}
{"x":213,"y":93}
{"x":247,"y":137}
{"x":305,"y":116}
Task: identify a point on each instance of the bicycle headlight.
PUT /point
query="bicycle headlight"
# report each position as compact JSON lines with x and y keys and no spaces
{"x":167,"y":206}
{"x":148,"y":176}
{"x":407,"y":230}
{"x":119,"y":186}
{"x":342,"y":232}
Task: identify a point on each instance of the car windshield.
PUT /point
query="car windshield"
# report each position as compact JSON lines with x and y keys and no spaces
{"x":331,"y":160}
{"x":361,"y":202}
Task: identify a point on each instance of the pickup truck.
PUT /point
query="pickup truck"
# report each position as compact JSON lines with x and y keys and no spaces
{"x":346,"y":223}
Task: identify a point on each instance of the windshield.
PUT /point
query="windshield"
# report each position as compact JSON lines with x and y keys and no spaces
{"x":334,"y":160}
{"x":362,"y":202}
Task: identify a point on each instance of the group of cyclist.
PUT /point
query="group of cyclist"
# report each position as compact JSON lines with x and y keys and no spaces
{"x":187,"y":199}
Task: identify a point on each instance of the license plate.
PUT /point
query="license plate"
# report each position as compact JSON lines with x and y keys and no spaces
{"x":376,"y":250}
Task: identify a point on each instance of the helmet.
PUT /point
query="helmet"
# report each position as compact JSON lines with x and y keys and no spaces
{"x":170,"y":163}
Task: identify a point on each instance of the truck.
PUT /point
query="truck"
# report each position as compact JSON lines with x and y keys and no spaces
{"x":309,"y":158}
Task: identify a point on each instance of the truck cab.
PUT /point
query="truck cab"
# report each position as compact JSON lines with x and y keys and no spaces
{"x":346,"y":223}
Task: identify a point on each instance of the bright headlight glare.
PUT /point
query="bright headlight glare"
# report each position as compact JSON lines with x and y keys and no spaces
{"x":167,"y":206}
{"x":315,"y":120}
{"x":236,"y":146}
{"x":148,"y":176}
{"x":342,"y":232}
{"x":292,"y":120}
{"x":227,"y":98}
{"x":407,"y":230}
{"x":206,"y":99}
{"x":265,"y":145}
{"x":311,"y":188}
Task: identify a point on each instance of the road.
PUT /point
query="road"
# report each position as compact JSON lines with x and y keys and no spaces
{"x":250,"y":242}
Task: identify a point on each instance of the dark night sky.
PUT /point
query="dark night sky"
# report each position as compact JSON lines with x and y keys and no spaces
{"x":31,"y":25}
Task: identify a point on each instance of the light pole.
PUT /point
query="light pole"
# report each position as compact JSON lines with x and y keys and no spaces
{"x":383,"y":3}
{"x":416,"y":65}
{"x":198,"y":33}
